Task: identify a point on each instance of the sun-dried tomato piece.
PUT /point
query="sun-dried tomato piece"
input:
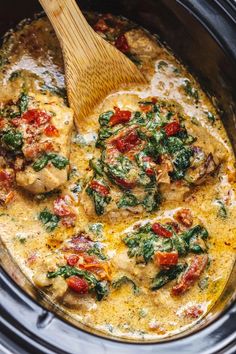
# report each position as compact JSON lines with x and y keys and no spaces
{"x":193,"y":311}
{"x":99,"y":188}
{"x":2,"y":122}
{"x":123,"y":183}
{"x":6,"y":183}
{"x":120,"y":116}
{"x":62,"y":207}
{"x":122,"y":44}
{"x":192,"y":274}
{"x":150,"y":171}
{"x":172,"y":128}
{"x":15,"y":122}
{"x":35,"y":149}
{"x":80,"y":243}
{"x":101,"y":26}
{"x":166,"y":258}
{"x":36,"y":116}
{"x":79,"y":285}
{"x":69,"y":221}
{"x":146,"y":107}
{"x":89,"y":259}
{"x":184,"y":216}
{"x":6,"y":179}
{"x":4,"y":176}
{"x":160,"y":230}
{"x":72,"y":259}
{"x":149,"y":163}
{"x":127,"y":142}
{"x":51,"y":130}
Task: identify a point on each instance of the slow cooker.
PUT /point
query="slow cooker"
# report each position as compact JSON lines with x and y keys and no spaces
{"x":202,"y":34}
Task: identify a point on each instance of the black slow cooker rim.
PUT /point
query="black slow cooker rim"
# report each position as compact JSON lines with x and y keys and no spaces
{"x":205,"y":12}
{"x":18,"y":339}
{"x":21,"y":340}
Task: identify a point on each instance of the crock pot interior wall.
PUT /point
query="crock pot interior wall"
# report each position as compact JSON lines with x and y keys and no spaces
{"x":214,"y":66}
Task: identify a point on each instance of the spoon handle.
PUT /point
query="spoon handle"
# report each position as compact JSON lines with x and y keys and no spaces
{"x":93,"y":67}
{"x":71,"y":27}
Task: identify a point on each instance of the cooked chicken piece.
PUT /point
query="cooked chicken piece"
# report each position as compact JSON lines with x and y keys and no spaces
{"x":208,"y":143}
{"x":144,"y":47}
{"x":59,"y":287}
{"x":122,"y":262}
{"x":143,"y":273}
{"x":40,"y":279}
{"x":73,"y":300}
{"x":2,"y":162}
{"x":142,"y":44}
{"x":209,"y":153}
{"x":49,"y":177}
{"x":176,"y":191}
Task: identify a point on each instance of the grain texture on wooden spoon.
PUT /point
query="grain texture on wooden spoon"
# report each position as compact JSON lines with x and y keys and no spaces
{"x":93,"y":67}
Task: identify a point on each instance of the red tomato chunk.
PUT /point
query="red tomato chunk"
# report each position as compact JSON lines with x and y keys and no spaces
{"x":101,"y":26}
{"x":51,"y":130}
{"x":192,"y":274}
{"x":72,"y":259}
{"x":77,"y":284}
{"x":172,"y":128}
{"x":122,"y":44}
{"x":128,"y":142}
{"x":37,"y":117}
{"x":99,"y":188}
{"x":166,"y":258}
{"x":160,"y":230}
{"x":61,"y":207}
{"x":120,"y":116}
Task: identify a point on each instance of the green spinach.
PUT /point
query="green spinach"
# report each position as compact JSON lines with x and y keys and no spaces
{"x":99,"y":287}
{"x":222,"y":212}
{"x":116,"y":284}
{"x":58,"y":161}
{"x":49,"y":220}
{"x":96,"y":250}
{"x":23,"y":102}
{"x":190,"y":90}
{"x":12,"y":140}
{"x":166,"y":275}
{"x":104,"y":118}
{"x":40,"y":163}
{"x":100,"y":201}
{"x":128,"y":200}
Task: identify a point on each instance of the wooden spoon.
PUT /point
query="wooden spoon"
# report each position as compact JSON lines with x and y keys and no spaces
{"x":93,"y":67}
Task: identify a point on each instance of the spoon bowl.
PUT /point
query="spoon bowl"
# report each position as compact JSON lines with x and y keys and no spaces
{"x":93,"y":67}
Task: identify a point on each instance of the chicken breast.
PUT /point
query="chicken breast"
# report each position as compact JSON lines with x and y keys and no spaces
{"x":141,"y":272}
{"x":54,"y":140}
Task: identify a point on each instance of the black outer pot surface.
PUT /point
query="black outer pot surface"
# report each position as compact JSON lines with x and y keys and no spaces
{"x":202,"y":33}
